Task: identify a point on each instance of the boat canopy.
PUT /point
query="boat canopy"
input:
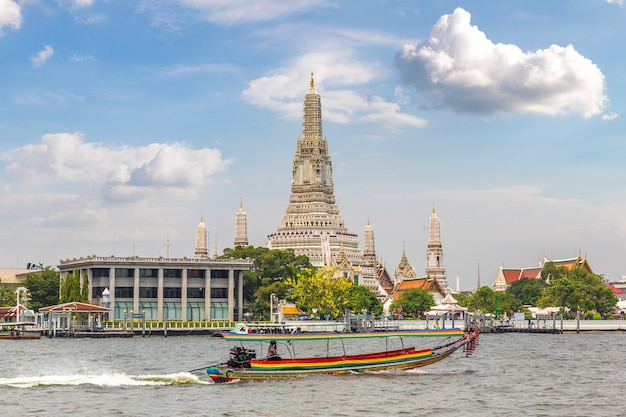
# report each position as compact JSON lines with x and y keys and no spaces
{"x":327,"y":336}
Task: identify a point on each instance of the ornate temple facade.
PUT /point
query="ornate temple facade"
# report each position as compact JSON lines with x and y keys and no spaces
{"x":312,"y":225}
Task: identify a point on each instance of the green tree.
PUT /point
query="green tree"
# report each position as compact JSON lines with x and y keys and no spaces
{"x":8,"y":296}
{"x":269,"y":265}
{"x":362,"y":298}
{"x":84,"y":293}
{"x":527,"y":291}
{"x":259,"y":308}
{"x":43,"y":288}
{"x":70,"y":288}
{"x":318,"y":289}
{"x":506,"y":302}
{"x":579,"y":290}
{"x":484,"y":300}
{"x":463,"y":299}
{"x":413,"y":302}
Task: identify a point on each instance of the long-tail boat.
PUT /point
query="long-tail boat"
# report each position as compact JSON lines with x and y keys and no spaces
{"x":244,"y":365}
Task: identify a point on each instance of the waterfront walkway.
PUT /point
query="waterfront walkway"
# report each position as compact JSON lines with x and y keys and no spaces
{"x":172,"y":328}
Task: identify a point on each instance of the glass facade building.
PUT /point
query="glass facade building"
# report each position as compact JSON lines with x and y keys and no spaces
{"x":164,"y":288}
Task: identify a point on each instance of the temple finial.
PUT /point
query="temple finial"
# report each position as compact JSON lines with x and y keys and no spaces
{"x":312,"y":81}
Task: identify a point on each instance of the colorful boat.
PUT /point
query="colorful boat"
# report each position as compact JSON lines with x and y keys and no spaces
{"x":243,"y":364}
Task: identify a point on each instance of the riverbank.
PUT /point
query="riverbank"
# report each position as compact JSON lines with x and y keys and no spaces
{"x":175,"y":329}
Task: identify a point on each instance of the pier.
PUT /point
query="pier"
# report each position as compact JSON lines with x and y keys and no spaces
{"x":542,"y":325}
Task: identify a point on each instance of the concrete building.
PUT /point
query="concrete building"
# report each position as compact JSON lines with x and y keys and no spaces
{"x":164,"y":288}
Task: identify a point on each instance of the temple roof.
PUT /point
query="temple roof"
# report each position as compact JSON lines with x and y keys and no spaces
{"x":515,"y":274}
{"x":426,"y":283}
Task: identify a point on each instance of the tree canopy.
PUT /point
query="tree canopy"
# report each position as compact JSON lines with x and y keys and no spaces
{"x":8,"y":296}
{"x":318,"y":289}
{"x":578,"y":290}
{"x":71,"y":290}
{"x":270,"y":268}
{"x":413,"y":302}
{"x":362,"y":298}
{"x":43,"y":288}
{"x":527,"y":291}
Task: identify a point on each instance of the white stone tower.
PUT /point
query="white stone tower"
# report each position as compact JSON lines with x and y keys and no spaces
{"x":369,"y":250}
{"x":312,"y":225}
{"x":241,"y":227}
{"x":434,"y":252}
{"x":202,"y":251}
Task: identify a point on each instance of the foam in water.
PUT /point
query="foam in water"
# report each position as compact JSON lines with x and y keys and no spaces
{"x":103,"y":380}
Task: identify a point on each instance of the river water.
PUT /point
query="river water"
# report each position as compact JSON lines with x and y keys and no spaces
{"x":508,"y":375}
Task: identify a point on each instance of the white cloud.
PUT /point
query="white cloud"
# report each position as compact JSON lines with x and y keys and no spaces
{"x":82,"y":58}
{"x":10,"y":14}
{"x":337,"y":73}
{"x":460,"y":68}
{"x":42,"y":56}
{"x":610,"y":116}
{"x":75,"y":4}
{"x":82,"y":3}
{"x":231,"y":12}
{"x":618,"y":2}
{"x":177,"y":70}
{"x":65,"y":160}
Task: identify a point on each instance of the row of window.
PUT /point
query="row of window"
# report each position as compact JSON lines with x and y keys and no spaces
{"x":168,"y":292}
{"x":171,"y":310}
{"x":154,"y":273}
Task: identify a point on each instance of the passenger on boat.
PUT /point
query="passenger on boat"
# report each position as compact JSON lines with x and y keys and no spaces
{"x":271,"y":350}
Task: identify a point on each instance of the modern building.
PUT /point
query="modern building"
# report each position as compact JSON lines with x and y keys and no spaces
{"x":312,"y":225}
{"x":164,"y":288}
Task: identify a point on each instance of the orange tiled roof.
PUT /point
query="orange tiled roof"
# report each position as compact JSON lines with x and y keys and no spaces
{"x":292,"y":311}
{"x":428,"y":284}
{"x":75,"y":306}
{"x":514,"y":274}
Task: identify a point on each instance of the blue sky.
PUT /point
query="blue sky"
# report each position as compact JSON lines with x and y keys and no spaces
{"x":123,"y":122}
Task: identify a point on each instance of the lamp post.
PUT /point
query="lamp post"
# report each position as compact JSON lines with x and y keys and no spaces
{"x":18,"y":310}
{"x":106,"y":302}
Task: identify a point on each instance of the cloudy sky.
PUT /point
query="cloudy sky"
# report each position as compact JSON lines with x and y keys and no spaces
{"x":123,"y":122}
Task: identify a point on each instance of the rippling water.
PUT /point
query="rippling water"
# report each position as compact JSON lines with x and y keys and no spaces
{"x":508,"y":375}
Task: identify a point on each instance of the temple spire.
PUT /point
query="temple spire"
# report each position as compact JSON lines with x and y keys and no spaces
{"x":312,"y":225}
{"x":434,"y":251}
{"x":369,"y":250}
{"x":201,"y":251}
{"x":241,"y":227}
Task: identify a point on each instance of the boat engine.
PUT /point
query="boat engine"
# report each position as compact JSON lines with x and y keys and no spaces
{"x":240,"y":357}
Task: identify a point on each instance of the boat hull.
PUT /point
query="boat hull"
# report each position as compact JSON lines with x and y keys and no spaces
{"x":397,"y":360}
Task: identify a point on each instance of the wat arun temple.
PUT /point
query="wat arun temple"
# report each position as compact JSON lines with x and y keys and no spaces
{"x":312,"y":225}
